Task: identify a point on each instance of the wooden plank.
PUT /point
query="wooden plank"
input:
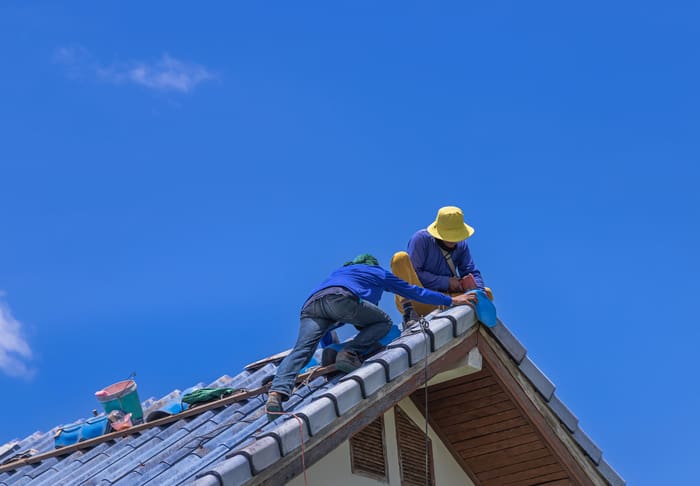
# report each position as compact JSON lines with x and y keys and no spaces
{"x":457,"y":417}
{"x":479,"y":375}
{"x":478,"y":407}
{"x":533,"y":461}
{"x":458,"y":388}
{"x":535,"y":476}
{"x":270,"y":359}
{"x":478,"y":447}
{"x":511,"y":455}
{"x":559,"y":482}
{"x":486,"y":420}
{"x":461,"y":398}
{"x":486,"y":431}
{"x":495,"y":438}
{"x":543,"y":420}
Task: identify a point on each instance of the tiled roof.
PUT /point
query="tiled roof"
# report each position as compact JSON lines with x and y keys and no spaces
{"x":232,"y":444}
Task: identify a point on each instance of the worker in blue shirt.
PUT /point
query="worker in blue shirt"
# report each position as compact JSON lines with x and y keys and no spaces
{"x":350,"y":295}
{"x":438,"y":259}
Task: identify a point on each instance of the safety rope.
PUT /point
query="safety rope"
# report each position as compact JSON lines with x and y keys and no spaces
{"x":301,"y":439}
{"x":423,"y":324}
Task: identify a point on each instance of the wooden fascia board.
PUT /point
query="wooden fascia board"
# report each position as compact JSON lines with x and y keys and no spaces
{"x":533,"y":406}
{"x":364,"y":413}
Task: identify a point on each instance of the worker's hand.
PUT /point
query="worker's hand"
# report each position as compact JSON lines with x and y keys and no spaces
{"x":465,"y":299}
{"x":468,"y":283}
{"x":455,"y":285}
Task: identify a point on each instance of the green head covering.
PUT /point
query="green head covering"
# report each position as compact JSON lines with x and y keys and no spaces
{"x":363,"y":259}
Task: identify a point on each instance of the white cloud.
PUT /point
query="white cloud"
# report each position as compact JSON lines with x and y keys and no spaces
{"x":165,"y":74}
{"x":14,"y":349}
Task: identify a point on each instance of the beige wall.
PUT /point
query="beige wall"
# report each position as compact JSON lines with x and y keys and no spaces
{"x":334,"y":469}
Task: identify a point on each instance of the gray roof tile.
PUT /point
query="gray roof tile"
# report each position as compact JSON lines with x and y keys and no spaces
{"x":199,"y":445}
{"x":562,"y":412}
{"x":464,"y":316}
{"x":371,"y":378}
{"x":395,"y":361}
{"x":414,"y":344}
{"x":610,"y":474}
{"x":537,"y":378}
{"x":442,"y":332}
{"x":345,"y":395}
{"x":262,"y":453}
{"x":319,"y":414}
{"x":290,"y":434}
{"x":587,"y":445}
{"x":509,"y":342}
{"x":236,"y":470}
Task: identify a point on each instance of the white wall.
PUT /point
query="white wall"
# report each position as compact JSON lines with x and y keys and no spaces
{"x":334,"y":469}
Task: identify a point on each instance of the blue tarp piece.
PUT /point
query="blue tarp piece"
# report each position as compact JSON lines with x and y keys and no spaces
{"x":485,"y":310}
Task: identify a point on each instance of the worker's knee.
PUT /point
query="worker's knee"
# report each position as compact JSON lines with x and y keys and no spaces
{"x":400,"y":257}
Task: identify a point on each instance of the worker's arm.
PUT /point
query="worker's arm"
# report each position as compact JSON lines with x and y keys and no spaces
{"x":404,"y":289}
{"x":465,"y":264}
{"x":422,"y":258}
{"x":462,"y":299}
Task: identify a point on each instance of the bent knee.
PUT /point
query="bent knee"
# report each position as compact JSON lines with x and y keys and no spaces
{"x":400,"y":258}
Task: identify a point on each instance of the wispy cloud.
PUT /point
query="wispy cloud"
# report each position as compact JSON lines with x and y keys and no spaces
{"x":14,"y":349}
{"x":164,"y":74}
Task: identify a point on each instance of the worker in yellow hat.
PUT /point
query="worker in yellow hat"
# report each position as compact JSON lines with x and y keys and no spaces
{"x":438,"y":258}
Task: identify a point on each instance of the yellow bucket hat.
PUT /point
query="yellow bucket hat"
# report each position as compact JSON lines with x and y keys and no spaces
{"x":450,"y":226}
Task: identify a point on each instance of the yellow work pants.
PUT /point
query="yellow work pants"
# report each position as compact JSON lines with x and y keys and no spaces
{"x":402,"y":267}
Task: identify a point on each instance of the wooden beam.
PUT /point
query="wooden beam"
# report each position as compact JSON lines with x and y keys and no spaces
{"x":364,"y":413}
{"x":545,"y":423}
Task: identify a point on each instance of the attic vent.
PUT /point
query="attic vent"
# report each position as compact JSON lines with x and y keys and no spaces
{"x":367,"y":451}
{"x":412,"y":462}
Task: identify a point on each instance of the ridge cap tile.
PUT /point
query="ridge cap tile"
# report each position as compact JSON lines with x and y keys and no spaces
{"x":538,"y":379}
{"x":395,"y":360}
{"x":510,"y":343}
{"x":563,"y":413}
{"x":610,"y":474}
{"x":587,"y":444}
{"x":371,"y":377}
{"x":442,"y":331}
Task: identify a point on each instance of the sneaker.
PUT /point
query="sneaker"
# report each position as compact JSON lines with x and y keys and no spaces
{"x":347,"y":361}
{"x":273,"y":407}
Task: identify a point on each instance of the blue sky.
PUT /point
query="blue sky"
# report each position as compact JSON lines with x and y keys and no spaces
{"x":175,"y":179}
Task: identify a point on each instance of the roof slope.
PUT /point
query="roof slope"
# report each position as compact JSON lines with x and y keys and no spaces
{"x":233,"y":444}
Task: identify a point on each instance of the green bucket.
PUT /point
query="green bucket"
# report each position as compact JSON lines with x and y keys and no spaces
{"x":121,"y":396}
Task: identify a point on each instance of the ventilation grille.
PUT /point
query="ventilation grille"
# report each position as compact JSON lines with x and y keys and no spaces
{"x":412,"y":452}
{"x":368,"y":453}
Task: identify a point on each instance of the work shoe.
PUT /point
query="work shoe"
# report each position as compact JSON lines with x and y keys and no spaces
{"x":273,"y":407}
{"x":328,"y":356}
{"x":347,"y":361}
{"x":410,"y":316}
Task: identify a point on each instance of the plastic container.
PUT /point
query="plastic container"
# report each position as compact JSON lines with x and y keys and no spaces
{"x":121,"y":396}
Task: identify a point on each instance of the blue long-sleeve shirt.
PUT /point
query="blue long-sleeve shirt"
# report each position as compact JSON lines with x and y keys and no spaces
{"x":369,"y":282}
{"x":430,"y":264}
